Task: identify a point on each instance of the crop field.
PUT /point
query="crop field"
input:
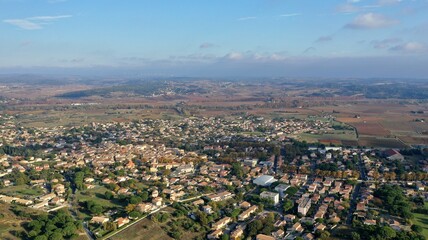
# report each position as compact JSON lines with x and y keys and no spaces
{"x":381,"y":142}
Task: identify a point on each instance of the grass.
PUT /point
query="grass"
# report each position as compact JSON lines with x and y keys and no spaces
{"x":422,"y":220}
{"x":145,"y":229}
{"x":22,"y":191}
{"x":95,"y":194}
{"x":10,"y":223}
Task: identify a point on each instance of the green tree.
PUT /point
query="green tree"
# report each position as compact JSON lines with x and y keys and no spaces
{"x":417,"y":228}
{"x":288,"y":204}
{"x":108,"y":195}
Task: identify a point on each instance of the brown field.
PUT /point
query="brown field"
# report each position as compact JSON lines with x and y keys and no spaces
{"x":377,"y":118}
{"x":381,"y":142}
{"x":371,"y":129}
{"x":145,"y":229}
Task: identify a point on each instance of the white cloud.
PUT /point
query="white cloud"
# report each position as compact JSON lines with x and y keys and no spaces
{"x":410,"y":47}
{"x":23,"y":23}
{"x":348,"y":8}
{"x":371,"y":21}
{"x":246,"y":18}
{"x":388,"y":2}
{"x":49,"y":18}
{"x":206,"y":45}
{"x":386,"y":43}
{"x":290,"y":15}
{"x":34,"y":23}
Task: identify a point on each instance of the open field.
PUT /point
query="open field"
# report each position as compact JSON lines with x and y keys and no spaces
{"x":422,"y":220}
{"x":145,"y":229}
{"x":120,"y":100}
{"x":22,"y":191}
{"x":10,"y":223}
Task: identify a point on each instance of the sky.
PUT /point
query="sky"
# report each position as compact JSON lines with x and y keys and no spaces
{"x":218,"y":38}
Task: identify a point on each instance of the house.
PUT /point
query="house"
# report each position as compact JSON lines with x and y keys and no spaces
{"x":278,"y":234}
{"x":289,"y":217}
{"x":308,"y":236}
{"x":297,"y":227}
{"x":24,"y":202}
{"x":392,"y":154}
{"x":264,"y":237}
{"x":122,"y":221}
{"x":215,"y":234}
{"x":47,"y":197}
{"x":304,"y":206}
{"x":271,"y":196}
{"x":207,"y":209}
{"x":221,"y":223}
{"x":144,"y":207}
{"x":198,"y":202}
{"x":247,"y":213}
{"x":157,"y":201}
{"x":370,"y":222}
{"x":220,"y":196}
{"x":320,"y":227}
{"x":237,"y":234}
{"x":245,"y":204}
{"x":99,"y":220}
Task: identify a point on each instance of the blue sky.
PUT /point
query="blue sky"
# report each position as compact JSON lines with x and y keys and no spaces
{"x":307,"y":38}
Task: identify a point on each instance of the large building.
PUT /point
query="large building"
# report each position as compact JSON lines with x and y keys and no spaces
{"x":265,"y":180}
{"x":304,"y":206}
{"x":271,"y":196}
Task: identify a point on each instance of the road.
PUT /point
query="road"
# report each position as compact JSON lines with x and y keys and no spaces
{"x":89,"y":234}
{"x":356,"y":191}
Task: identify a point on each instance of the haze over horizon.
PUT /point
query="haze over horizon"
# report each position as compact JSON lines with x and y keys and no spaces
{"x":338,"y":38}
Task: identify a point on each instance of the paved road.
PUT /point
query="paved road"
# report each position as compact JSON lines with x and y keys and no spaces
{"x":356,"y":192}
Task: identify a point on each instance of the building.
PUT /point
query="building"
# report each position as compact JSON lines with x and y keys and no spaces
{"x":247,"y":213}
{"x":281,"y":188}
{"x":220,"y":196}
{"x":99,"y":220}
{"x":264,"y":180}
{"x":236,"y":235}
{"x":215,"y":234}
{"x":393,"y":154}
{"x":122,"y":221}
{"x":221,"y":223}
{"x":304,"y":206}
{"x":264,"y":237}
{"x":271,"y":196}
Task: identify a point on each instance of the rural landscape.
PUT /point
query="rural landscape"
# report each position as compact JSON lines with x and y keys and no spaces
{"x":217,"y":159}
{"x":214,"y":120}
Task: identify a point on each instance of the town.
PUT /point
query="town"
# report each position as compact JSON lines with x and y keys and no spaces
{"x":234,"y":177}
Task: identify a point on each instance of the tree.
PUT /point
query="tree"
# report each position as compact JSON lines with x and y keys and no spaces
{"x":387,"y":232}
{"x":108,"y":195}
{"x":417,"y":228}
{"x":355,"y":236}
{"x":41,"y":237}
{"x":288,"y":204}
{"x":225,"y":237}
{"x":254,"y":227}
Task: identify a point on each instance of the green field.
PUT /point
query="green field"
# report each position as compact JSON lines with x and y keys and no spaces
{"x":22,"y":191}
{"x":96,"y":194}
{"x":422,"y":220}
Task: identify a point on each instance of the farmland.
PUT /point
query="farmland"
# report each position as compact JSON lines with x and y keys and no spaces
{"x":376,"y":121}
